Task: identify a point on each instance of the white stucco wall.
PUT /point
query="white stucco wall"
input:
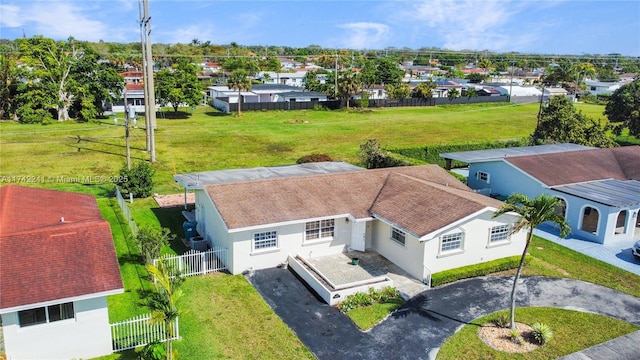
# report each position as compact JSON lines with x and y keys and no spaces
{"x":476,"y":248}
{"x":408,"y":257}
{"x":88,"y":335}
{"x":290,"y":242}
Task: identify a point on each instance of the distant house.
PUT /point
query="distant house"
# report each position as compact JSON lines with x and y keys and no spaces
{"x":286,"y":78}
{"x":602,"y":88}
{"x":58,"y":267}
{"x":599,"y":188}
{"x":420,"y":218}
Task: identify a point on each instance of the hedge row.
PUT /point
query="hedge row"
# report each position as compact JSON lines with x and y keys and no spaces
{"x":431,"y":154}
{"x":471,"y":271}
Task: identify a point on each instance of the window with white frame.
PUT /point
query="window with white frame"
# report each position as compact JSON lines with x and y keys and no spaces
{"x":321,"y":229}
{"x":451,"y":242}
{"x":483,"y":176}
{"x":499,"y":233}
{"x":265,"y":240}
{"x":398,"y":236}
{"x":46,"y":314}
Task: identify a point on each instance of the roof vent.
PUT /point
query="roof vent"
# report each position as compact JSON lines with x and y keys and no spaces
{"x":62,"y":219}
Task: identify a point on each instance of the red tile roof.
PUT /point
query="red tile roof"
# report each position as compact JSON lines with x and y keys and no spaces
{"x":622,"y":163}
{"x":388,"y":192}
{"x":135,"y":86}
{"x":43,"y":258}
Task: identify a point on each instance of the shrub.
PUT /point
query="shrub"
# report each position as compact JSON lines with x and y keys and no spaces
{"x":541,"y":333}
{"x":360,"y":299}
{"x":514,"y":334}
{"x":318,"y":107}
{"x":151,"y":240}
{"x":501,"y":319}
{"x":138,"y":180}
{"x":373,"y":157}
{"x":448,"y":276}
{"x":314,"y":158}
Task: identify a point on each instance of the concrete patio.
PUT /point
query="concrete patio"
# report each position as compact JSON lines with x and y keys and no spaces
{"x":339,"y":269}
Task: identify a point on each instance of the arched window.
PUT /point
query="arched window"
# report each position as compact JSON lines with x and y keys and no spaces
{"x":590,"y":218}
{"x":561,"y":208}
{"x":621,"y":222}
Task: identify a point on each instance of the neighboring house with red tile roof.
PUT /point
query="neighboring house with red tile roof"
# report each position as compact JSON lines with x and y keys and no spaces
{"x":599,"y":188}
{"x":58,"y":267}
{"x":420,"y":217}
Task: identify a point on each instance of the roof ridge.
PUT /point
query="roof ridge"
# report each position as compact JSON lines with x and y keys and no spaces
{"x":450,"y":189}
{"x":67,"y":225}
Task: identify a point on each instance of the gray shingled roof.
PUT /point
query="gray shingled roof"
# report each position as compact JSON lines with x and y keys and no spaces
{"x":419,"y":199}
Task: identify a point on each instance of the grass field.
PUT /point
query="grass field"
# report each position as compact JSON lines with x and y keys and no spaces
{"x":86,"y":155}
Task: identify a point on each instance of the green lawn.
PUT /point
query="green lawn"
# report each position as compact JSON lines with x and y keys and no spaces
{"x":572,"y":331}
{"x":65,"y":153}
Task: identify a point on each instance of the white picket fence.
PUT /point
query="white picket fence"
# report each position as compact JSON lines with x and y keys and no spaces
{"x":195,"y":262}
{"x":138,"y":331}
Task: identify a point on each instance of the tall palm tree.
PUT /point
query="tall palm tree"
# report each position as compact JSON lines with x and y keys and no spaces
{"x":533,"y":212}
{"x":348,"y":85}
{"x":239,"y":80}
{"x":162,"y":301}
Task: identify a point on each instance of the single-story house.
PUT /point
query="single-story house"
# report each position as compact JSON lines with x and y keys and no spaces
{"x":301,"y":96}
{"x":599,"y":188}
{"x":420,"y":218}
{"x":596,"y":87}
{"x":58,"y":266}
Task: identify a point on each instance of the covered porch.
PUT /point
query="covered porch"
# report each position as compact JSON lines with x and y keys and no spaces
{"x":334,"y":277}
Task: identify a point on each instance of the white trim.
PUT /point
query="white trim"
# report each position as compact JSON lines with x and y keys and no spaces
{"x":285,"y":223}
{"x":60,"y":301}
{"x":439,"y":232}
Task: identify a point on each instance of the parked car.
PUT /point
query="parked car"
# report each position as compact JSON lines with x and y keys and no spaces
{"x":636,"y":249}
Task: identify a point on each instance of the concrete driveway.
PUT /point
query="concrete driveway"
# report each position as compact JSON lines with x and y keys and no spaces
{"x":418,"y":329}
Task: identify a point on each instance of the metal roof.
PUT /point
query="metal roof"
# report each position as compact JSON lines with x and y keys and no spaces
{"x":199,"y":179}
{"x":475,"y":156}
{"x":618,"y":193}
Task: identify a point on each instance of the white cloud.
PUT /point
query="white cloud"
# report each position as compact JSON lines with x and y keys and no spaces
{"x":363,"y":35}
{"x":58,"y":20}
{"x":10,"y":16}
{"x":472,"y":25}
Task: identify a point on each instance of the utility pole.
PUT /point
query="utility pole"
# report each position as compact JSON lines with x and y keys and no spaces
{"x":149,"y":95}
{"x":335,"y":89}
{"x":126,"y":126}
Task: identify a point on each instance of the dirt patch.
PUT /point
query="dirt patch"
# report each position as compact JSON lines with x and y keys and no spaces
{"x":499,"y":338}
{"x":173,"y":200}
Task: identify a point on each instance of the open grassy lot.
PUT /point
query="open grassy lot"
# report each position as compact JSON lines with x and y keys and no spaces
{"x":90,"y":153}
{"x":572,"y":331}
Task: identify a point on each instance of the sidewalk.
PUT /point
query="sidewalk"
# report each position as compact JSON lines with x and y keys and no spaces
{"x":616,"y":253}
{"x":622,"y":348}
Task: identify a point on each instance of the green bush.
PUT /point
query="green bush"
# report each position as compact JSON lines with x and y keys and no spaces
{"x":360,"y":299}
{"x":431,"y":153}
{"x":373,"y":156}
{"x":471,"y":271}
{"x":138,"y":180}
{"x":151,"y":240}
{"x":502,"y":319}
{"x":314,"y":158}
{"x":514,"y":334}
{"x":541,"y":333}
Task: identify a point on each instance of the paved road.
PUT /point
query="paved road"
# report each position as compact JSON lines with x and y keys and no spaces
{"x":418,"y":329}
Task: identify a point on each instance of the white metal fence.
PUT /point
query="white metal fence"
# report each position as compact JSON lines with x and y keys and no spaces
{"x":195,"y":262}
{"x":126,"y":212}
{"x":138,"y":331}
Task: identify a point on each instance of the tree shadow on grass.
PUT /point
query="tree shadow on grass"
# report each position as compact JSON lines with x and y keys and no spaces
{"x":172,"y":219}
{"x":173,"y":115}
{"x":216,"y":113}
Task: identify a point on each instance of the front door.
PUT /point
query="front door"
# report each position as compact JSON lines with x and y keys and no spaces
{"x":358,"y":233}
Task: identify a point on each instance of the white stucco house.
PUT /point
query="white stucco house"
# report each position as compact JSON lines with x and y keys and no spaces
{"x":58,"y":266}
{"x":596,"y":87}
{"x":420,"y":218}
{"x":599,"y":188}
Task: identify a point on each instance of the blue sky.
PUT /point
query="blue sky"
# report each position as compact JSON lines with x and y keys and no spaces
{"x":540,"y":26}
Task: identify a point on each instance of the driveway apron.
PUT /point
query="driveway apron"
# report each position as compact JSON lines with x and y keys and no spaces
{"x":418,"y":329}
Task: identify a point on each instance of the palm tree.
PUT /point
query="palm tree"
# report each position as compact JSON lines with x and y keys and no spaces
{"x":453,"y":93}
{"x":162,"y":301}
{"x":533,"y":212}
{"x":239,"y":80}
{"x":348,"y":85}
